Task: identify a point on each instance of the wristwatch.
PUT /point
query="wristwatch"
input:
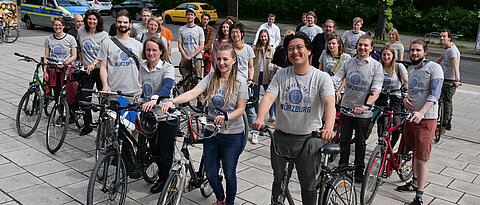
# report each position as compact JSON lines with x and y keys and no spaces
{"x":458,"y":80}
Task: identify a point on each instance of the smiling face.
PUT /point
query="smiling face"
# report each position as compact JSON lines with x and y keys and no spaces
{"x":329,"y":28}
{"x":152,"y":26}
{"x":190,"y":16}
{"x":152,"y":51}
{"x":271,"y":20}
{"x":225,"y":61}
{"x":391,"y":36}
{"x":364,"y":48}
{"x":357,"y":26}
{"x":92,"y":21}
{"x":297,"y":52}
{"x":387,"y":56}
{"x":145,"y":16}
{"x":58,"y":26}
{"x":123,"y":24}
{"x":264,"y":38}
{"x":310,"y":20}
{"x":236,"y":35}
{"x":226,"y":29}
{"x":333,"y":46}
{"x":78,"y":21}
{"x":444,"y":39}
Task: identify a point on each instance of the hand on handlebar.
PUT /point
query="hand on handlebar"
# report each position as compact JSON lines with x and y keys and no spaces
{"x":258,"y":124}
{"x":106,"y":88}
{"x":327,"y":135}
{"x":90,"y":68}
{"x":149,"y":105}
{"x":164,"y":107}
{"x":359,"y":110}
{"x":219,"y":120}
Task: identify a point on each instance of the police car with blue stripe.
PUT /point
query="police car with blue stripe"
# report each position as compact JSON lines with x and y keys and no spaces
{"x":40,"y":12}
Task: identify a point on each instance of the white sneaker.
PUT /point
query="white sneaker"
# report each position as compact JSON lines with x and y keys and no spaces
{"x":254,"y":137}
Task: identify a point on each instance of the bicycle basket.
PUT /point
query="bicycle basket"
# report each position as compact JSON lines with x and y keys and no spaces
{"x":146,"y":123}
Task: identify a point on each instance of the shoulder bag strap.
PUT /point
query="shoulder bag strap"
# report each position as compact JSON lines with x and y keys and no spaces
{"x":128,"y":52}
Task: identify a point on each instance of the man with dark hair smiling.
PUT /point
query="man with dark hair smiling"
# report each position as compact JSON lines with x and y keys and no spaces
{"x":305,"y":97}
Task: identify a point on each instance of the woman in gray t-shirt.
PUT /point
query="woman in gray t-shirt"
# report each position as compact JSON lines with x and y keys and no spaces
{"x":228,"y":92}
{"x":396,"y":43}
{"x":332,"y":59}
{"x":153,"y":29}
{"x":63,"y":48}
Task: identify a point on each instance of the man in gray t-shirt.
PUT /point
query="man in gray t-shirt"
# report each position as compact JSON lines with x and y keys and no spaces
{"x":305,"y":97}
{"x":139,"y":28}
{"x":450,"y":61}
{"x":311,"y":29}
{"x":424,"y":86}
{"x":191,"y":41}
{"x":118,"y":71}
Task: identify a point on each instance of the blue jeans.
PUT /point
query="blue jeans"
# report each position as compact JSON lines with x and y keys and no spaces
{"x":256,"y":92}
{"x":227,"y":148}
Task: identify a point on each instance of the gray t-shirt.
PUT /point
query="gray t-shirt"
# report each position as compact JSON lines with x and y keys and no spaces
{"x":137,"y":28}
{"x":447,"y":63}
{"x":144,"y":36}
{"x":60,"y":48}
{"x":243,"y":56}
{"x":122,"y":70}
{"x":362,"y":78}
{"x":349,"y":40}
{"x":397,"y":48}
{"x":191,"y":38}
{"x":217,"y":99}
{"x":152,"y":82}
{"x":425,"y":84}
{"x":391,"y":82}
{"x":328,"y":61}
{"x":311,"y":31}
{"x":299,"y":108}
{"x":90,"y":45}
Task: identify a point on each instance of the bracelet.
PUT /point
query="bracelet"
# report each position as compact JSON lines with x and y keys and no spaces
{"x":171,"y":101}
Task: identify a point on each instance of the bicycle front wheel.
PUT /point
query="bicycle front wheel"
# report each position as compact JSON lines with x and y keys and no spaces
{"x":173,"y":188}
{"x":439,"y":131}
{"x":10,"y":34}
{"x":107,"y":190}
{"x":341,"y":192}
{"x":150,"y":167}
{"x":195,"y":104}
{"x":371,"y":177}
{"x":28,"y":113}
{"x":57,"y":126}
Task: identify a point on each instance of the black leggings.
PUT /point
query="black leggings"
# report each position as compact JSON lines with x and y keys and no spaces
{"x":87,"y":82}
{"x":163,"y":146}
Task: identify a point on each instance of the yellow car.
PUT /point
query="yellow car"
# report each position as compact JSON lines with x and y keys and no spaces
{"x":178,"y":13}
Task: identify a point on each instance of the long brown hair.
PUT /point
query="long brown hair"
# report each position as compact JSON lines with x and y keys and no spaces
{"x":339,"y":42}
{"x":391,"y":67}
{"x":229,"y":91}
{"x":258,"y":47}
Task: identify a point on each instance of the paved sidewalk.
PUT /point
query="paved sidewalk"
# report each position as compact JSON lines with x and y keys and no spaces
{"x":30,"y":175}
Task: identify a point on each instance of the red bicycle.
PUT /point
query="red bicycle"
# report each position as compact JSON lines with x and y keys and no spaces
{"x":383,"y":160}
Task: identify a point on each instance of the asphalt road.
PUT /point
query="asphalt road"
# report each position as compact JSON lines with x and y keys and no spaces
{"x":468,"y":69}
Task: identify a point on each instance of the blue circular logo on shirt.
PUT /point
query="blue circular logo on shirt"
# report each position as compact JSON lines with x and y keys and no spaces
{"x":147,"y":89}
{"x":295,"y":96}
{"x":123,"y":56}
{"x":218,"y":101}
{"x":57,"y":50}
{"x":387,"y":81}
{"x":355,"y":79}
{"x":353,"y":43}
{"x":88,"y":48}
{"x":412,"y":83}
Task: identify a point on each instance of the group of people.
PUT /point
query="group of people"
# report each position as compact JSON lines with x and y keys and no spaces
{"x":301,"y":76}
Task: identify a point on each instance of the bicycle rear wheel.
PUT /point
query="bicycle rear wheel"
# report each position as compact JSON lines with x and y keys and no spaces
{"x":196,"y":104}
{"x":439,"y":131}
{"x":371,"y":177}
{"x":107,"y":190}
{"x":57,"y":126}
{"x":150,"y":167}
{"x":341,"y":192}
{"x":29,"y":113}
{"x":173,"y":188}
{"x":405,"y":170}
{"x":10,"y":34}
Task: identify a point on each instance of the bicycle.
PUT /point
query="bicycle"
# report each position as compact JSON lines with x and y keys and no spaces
{"x":65,"y":109}
{"x":189,"y":82}
{"x":383,"y":160}
{"x":32,"y":102}
{"x":334,"y":185}
{"x":8,"y":33}
{"x":440,"y":130}
{"x":183,"y":168}
{"x":108,"y":179}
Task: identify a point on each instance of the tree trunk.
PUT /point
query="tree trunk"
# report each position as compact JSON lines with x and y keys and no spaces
{"x":380,"y":32}
{"x":232,"y":7}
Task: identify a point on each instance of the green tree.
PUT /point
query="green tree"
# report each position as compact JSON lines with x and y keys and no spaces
{"x":384,"y":16}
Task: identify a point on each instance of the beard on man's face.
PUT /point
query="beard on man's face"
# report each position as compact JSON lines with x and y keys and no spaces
{"x":416,"y":62}
{"x":123,"y":29}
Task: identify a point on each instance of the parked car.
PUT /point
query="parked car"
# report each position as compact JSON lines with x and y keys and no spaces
{"x":178,"y":13}
{"x":103,"y":6}
{"x":134,"y":7}
{"x":39,"y":13}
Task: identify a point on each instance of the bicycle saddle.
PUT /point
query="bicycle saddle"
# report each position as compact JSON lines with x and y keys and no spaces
{"x":330,"y":149}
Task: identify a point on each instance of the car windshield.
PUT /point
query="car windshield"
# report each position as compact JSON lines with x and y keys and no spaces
{"x":207,"y":7}
{"x":72,"y":3}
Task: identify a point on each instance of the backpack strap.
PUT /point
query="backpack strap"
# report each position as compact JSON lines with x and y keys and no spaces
{"x":128,"y":52}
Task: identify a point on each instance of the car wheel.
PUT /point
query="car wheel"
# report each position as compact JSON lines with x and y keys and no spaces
{"x":168,"y":19}
{"x":29,"y":23}
{"x":138,"y":16}
{"x":114,"y":13}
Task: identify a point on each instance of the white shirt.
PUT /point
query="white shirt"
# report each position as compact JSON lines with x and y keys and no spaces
{"x":273,"y":32}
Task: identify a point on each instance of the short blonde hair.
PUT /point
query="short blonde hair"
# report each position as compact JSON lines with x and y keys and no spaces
{"x":154,"y":18}
{"x":357,"y":20}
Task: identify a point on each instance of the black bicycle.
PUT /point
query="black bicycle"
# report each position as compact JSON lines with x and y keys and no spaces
{"x":32,"y":103}
{"x":189,"y":82}
{"x":108,"y":179}
{"x":8,"y":32}
{"x":335,"y":185}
